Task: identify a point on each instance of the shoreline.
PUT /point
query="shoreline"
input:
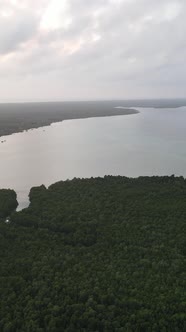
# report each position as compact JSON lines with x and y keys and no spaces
{"x":20,"y":207}
{"x":16,"y":118}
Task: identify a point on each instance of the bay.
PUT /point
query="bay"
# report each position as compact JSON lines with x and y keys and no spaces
{"x":152,"y":142}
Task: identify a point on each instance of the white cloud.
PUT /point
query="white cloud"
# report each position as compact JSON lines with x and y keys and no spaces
{"x":56,"y":15}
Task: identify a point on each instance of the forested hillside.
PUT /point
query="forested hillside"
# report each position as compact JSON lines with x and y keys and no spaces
{"x":104,"y":254}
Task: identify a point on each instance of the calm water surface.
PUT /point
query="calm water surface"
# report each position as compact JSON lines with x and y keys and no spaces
{"x":152,"y":142}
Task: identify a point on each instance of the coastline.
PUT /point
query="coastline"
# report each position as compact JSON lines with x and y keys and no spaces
{"x":15,"y":118}
{"x":10,"y":131}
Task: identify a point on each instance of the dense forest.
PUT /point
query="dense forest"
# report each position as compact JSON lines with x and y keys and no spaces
{"x":103,"y":254}
{"x":16,"y":117}
{"x":8,"y":202}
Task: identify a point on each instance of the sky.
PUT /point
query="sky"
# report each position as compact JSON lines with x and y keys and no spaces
{"x":92,"y":49}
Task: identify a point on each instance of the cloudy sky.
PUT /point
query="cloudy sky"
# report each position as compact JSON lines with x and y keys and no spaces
{"x":92,"y":49}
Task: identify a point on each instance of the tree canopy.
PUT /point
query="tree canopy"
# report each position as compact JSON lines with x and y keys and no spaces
{"x":8,"y":202}
{"x":103,"y":254}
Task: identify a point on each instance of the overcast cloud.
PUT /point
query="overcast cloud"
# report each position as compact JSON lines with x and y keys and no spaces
{"x":83,"y":49}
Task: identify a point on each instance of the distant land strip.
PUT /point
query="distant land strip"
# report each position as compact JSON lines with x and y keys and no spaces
{"x":23,"y":116}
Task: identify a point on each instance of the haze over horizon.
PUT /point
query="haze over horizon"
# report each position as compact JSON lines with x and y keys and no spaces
{"x":82,"y":50}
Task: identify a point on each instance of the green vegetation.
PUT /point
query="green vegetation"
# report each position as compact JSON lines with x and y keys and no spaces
{"x":16,"y":117}
{"x":22,"y":116}
{"x":8,"y":202}
{"x":104,"y":254}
